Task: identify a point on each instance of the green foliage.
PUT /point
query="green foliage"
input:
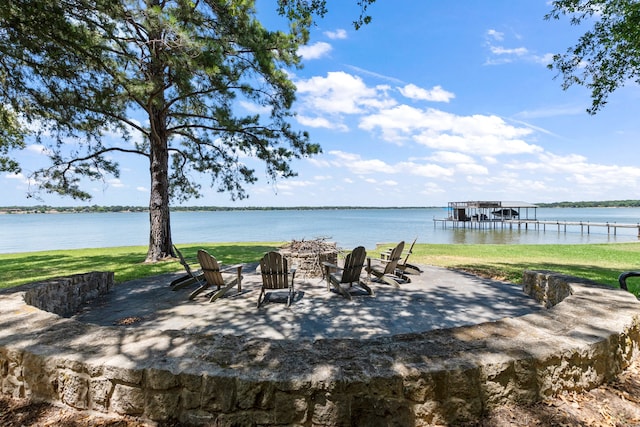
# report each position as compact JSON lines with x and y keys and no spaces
{"x":304,"y":10}
{"x":79,"y":70}
{"x":11,"y":137}
{"x":607,"y":56}
{"x":592,"y":204}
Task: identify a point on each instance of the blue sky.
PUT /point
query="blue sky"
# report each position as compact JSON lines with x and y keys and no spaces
{"x":434,"y":101}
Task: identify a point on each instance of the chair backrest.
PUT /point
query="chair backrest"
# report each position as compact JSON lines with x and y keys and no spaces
{"x":353,"y":264}
{"x":406,"y":258}
{"x":210,"y":268}
{"x":183,"y":261}
{"x":394,"y":258}
{"x":274,"y":270}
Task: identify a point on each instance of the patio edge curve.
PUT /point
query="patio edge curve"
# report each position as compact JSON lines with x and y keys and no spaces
{"x":588,"y":334}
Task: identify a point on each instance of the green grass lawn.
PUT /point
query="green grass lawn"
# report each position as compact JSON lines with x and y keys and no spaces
{"x":126,"y":262}
{"x":600,"y":262}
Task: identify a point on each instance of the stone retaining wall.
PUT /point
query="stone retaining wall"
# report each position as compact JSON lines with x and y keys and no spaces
{"x":65,"y":295}
{"x":436,"y":377}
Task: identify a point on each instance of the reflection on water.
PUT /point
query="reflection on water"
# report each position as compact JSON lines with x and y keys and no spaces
{"x":509,"y":236}
{"x":348,"y":227}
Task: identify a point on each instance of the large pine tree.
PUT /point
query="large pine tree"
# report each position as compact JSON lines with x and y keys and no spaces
{"x":72,"y":70}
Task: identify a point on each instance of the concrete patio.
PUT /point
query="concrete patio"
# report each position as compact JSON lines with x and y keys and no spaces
{"x":436,"y":299}
{"x":443,"y":349}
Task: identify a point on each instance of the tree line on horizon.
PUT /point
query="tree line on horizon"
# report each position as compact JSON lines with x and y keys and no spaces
{"x":593,"y":204}
{"x":124,"y":209}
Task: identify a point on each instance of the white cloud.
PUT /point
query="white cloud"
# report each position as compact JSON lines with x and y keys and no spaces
{"x":471,"y":169}
{"x":20,"y":177}
{"x":38,"y":149}
{"x":496,"y":35}
{"x":477,"y":134}
{"x":499,"y":50}
{"x":320,"y":122}
{"x":500,"y":54}
{"x":427,"y":170}
{"x":396,"y":124}
{"x":337,"y":34}
{"x":490,"y":160}
{"x":436,"y":94}
{"x":450,"y":157}
{"x":374,"y":74}
{"x":319,"y":162}
{"x":544,"y":59}
{"x":255,"y":108}
{"x":359,"y":166}
{"x":430,"y":188}
{"x":551,"y":111}
{"x":289,"y":184}
{"x":116,"y":183}
{"x":315,"y":51}
{"x":340,"y":93}
{"x":578,"y":171}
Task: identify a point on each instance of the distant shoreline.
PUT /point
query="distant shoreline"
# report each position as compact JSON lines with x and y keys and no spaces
{"x":129,"y":209}
{"x":45,"y":209}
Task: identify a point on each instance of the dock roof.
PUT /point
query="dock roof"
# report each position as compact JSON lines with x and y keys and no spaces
{"x":489,"y":204}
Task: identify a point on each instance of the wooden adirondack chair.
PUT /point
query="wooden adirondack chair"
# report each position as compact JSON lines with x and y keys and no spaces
{"x":404,"y":266}
{"x":188,"y":279}
{"x":212,"y":275}
{"x":275,"y":276}
{"x":350,"y":273}
{"x":386,"y":270}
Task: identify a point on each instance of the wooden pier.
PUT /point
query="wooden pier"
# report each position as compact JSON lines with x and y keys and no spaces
{"x":535,"y":224}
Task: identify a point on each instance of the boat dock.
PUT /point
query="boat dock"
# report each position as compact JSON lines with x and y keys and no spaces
{"x":518,"y":215}
{"x":561,"y":226}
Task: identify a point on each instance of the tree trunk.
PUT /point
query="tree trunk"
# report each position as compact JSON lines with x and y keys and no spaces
{"x":160,"y":245}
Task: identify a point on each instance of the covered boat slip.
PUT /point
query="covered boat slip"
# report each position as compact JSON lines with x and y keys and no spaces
{"x":490,"y":211}
{"x":493,"y":215}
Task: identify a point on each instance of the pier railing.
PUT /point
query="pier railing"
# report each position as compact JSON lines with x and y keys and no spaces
{"x":585,"y":226}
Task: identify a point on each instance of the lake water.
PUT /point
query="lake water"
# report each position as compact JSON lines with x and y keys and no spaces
{"x":347,"y":227}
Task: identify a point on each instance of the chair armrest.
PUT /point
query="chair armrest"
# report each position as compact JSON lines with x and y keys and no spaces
{"x":329,"y":265}
{"x":231,"y":267}
{"x":380,"y":260}
{"x":238,"y":268}
{"x":385,"y":255}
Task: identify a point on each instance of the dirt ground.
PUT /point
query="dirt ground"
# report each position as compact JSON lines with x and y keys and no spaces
{"x":614,"y":404}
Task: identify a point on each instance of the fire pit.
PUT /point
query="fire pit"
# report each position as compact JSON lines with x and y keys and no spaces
{"x":308,"y":255}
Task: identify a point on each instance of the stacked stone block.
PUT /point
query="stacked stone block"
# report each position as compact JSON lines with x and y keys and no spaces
{"x":589,"y":334}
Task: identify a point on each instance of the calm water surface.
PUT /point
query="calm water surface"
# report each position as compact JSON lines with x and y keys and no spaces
{"x":347,"y":227}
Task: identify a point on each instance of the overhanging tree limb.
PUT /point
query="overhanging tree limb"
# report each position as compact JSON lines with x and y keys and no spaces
{"x":607,"y":56}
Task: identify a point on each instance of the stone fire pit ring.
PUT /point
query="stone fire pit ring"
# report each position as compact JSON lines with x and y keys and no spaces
{"x":588,"y":334}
